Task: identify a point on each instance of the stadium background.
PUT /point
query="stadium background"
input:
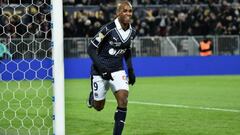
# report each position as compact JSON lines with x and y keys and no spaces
{"x":167,"y":45}
{"x":169,"y":33}
{"x":162,"y":26}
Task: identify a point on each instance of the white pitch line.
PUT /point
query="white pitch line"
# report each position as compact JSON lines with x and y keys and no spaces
{"x":180,"y":106}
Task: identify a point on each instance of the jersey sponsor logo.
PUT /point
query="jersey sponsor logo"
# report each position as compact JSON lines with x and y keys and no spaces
{"x":117,"y":44}
{"x":100,"y":37}
{"x":114,"y":52}
{"x":114,"y":42}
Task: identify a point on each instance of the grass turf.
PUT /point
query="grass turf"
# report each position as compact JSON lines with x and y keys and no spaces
{"x":204,"y":91}
{"x":196,"y":91}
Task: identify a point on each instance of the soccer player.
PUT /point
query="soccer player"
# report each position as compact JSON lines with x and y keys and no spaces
{"x":108,"y":49}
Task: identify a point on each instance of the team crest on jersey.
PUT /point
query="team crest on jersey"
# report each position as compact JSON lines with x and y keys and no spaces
{"x":99,"y":37}
{"x":124,"y":77}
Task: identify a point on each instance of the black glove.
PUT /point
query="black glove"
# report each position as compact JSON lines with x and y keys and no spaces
{"x":131,"y":77}
{"x":106,"y":75}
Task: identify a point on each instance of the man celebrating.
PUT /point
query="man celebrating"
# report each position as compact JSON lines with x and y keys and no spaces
{"x":107,"y":50}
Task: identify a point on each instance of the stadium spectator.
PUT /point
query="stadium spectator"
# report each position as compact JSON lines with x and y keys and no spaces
{"x":107,"y":50}
{"x":206,"y":47}
{"x":195,"y":17}
{"x":187,"y":20}
{"x":148,"y":2}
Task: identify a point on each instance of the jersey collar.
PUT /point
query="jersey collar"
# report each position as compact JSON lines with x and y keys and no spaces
{"x":118,"y":25}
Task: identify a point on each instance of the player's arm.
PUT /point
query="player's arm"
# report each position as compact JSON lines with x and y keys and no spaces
{"x":92,"y":52}
{"x":128,"y":59}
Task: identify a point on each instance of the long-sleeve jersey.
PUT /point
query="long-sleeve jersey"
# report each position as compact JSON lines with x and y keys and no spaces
{"x":110,"y":45}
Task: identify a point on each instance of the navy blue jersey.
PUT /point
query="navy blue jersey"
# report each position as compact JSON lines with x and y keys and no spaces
{"x":112,"y":42}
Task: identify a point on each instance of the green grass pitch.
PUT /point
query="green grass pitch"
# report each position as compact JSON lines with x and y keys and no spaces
{"x":147,"y":114}
{"x":193,"y":105}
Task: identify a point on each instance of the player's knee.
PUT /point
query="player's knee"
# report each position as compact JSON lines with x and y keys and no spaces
{"x":98,"y":107}
{"x":123,"y":103}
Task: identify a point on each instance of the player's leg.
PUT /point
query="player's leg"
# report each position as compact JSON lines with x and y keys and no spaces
{"x":98,"y":93}
{"x":98,"y":105}
{"x":121,"y":111}
{"x":120,"y":89}
{"x":90,"y":100}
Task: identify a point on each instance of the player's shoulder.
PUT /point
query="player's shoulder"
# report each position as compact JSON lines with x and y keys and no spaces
{"x":133,"y":32}
{"x":108,"y":27}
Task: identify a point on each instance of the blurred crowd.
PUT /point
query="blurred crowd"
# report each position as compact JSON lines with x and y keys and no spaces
{"x":145,"y":2}
{"x":27,"y":20}
{"x":191,"y":17}
{"x":83,"y":18}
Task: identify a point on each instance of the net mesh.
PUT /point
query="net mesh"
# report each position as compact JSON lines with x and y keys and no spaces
{"x":26,"y":89}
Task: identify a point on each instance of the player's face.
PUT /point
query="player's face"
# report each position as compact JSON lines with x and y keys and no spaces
{"x":125,"y":14}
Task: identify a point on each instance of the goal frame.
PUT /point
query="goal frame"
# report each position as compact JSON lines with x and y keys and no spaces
{"x":58,"y":68}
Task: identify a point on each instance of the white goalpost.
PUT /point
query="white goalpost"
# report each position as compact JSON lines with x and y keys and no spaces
{"x":58,"y":68}
{"x":32,"y":100}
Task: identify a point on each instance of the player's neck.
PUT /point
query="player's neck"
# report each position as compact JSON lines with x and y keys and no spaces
{"x":125,"y":26}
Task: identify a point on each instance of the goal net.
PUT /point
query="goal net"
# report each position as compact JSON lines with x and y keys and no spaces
{"x":26,"y":64}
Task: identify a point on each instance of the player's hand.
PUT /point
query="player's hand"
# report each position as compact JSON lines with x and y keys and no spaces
{"x":107,"y":75}
{"x":131,"y":77}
